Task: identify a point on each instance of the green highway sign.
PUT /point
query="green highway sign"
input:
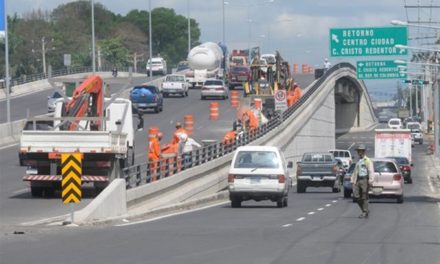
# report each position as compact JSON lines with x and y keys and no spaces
{"x":374,"y":41}
{"x":378,"y":70}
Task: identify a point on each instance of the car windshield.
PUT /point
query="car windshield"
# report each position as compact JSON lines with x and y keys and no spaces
{"x":256,"y":159}
{"x":340,"y":154}
{"x":413,"y":126}
{"x":394,"y":122}
{"x":175,"y":78}
{"x":239,"y":69}
{"x":384,"y":166}
{"x":317,"y":157}
{"x":400,"y":160}
{"x":270,"y":59}
{"x":213,"y":82}
{"x":56,"y":95}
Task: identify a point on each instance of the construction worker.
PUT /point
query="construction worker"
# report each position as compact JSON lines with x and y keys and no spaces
{"x":290,"y":97}
{"x":362,"y":178}
{"x":178,"y":134}
{"x":250,"y":120}
{"x":154,"y":155}
{"x":188,"y":148}
{"x":231,"y":136}
{"x":297,"y":92}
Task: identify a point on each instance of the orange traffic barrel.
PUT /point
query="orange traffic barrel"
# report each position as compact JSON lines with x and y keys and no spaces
{"x":258,"y":103}
{"x":304,"y":68}
{"x":235,"y":99}
{"x":309,"y":69}
{"x":152,"y":132}
{"x":295,"y":68}
{"x":188,"y":123}
{"x":213,"y":111}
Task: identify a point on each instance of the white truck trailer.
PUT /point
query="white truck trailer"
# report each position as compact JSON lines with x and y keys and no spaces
{"x":392,"y":143}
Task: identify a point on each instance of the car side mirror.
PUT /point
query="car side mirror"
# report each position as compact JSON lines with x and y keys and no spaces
{"x":412,"y":165}
{"x":290,"y":164}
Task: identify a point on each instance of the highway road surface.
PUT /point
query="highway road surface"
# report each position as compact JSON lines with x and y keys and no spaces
{"x":16,"y":204}
{"x":318,"y":227}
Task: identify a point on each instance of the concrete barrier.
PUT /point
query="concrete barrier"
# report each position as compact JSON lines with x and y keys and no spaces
{"x":111,"y":202}
{"x":10,"y":132}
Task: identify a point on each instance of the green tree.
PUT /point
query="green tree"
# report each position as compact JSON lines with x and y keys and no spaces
{"x":114,"y":52}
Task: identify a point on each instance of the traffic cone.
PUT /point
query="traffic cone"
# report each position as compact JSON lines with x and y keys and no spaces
{"x":188,"y":123}
{"x":214,"y":114}
{"x":235,"y":99}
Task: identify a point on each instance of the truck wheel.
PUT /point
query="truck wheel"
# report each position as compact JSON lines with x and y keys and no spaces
{"x":235,"y":203}
{"x":285,"y":201}
{"x":280,"y":202}
{"x":129,"y":161}
{"x":165,"y":95}
{"x":157,"y":109}
{"x":421,"y":142}
{"x":300,"y":188}
{"x":37,"y":191}
{"x":410,"y":180}
{"x":400,"y":199}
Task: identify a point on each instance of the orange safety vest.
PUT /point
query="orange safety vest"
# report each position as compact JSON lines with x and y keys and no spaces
{"x":229,"y":137}
{"x":253,"y":120}
{"x":176,"y":136}
{"x":154,"y":149}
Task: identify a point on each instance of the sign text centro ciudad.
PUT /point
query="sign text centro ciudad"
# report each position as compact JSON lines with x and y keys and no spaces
{"x":373,"y":41}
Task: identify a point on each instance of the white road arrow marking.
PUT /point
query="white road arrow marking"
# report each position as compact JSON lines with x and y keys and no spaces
{"x":335,"y":38}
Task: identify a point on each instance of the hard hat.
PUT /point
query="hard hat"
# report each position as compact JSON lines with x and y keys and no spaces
{"x":183,"y":137}
{"x":361,"y":147}
{"x":159,"y":135}
{"x":178,"y":125}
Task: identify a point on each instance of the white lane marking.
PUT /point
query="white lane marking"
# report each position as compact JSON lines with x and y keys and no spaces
{"x":320,"y":209}
{"x":311,"y":213}
{"x":21,"y":191}
{"x":8,"y":146}
{"x":328,"y":205}
{"x":431,"y":186}
{"x":173,"y":214}
{"x":352,"y":144}
{"x":300,"y":219}
{"x":286,"y":225}
{"x":334,"y":201}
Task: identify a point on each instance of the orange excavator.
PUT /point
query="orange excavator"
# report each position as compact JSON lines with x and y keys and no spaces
{"x":87,"y":100}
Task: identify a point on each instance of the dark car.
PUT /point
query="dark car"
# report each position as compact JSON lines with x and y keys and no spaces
{"x":145,"y":97}
{"x":348,"y":186}
{"x":405,"y":166}
{"x":238,"y":75}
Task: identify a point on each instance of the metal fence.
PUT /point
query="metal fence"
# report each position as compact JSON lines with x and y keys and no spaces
{"x":62,"y":72}
{"x":144,"y":173}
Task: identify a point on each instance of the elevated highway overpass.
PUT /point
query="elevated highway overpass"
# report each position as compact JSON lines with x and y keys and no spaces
{"x":311,"y":125}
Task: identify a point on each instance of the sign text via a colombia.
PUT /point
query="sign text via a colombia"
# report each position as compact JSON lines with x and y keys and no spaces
{"x":374,"y":41}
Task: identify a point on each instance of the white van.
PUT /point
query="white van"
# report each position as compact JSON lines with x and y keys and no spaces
{"x":259,"y":173}
{"x":158,"y":66}
{"x":344,"y":156}
{"x":395,"y":123}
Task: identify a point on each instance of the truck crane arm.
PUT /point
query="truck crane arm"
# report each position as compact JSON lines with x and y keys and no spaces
{"x":81,"y":106}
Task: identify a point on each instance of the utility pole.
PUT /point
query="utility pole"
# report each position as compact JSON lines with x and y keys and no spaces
{"x":93,"y":38}
{"x":410,"y":100}
{"x":43,"y":53}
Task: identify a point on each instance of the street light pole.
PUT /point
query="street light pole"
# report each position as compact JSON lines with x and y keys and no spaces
{"x":43,"y":54}
{"x":189,"y":27}
{"x":223,"y":22}
{"x":7,"y":78}
{"x":437,"y":117}
{"x":93,"y":38}
{"x":150,"y":41}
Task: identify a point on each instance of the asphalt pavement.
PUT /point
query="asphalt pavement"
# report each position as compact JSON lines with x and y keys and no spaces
{"x":18,"y":207}
{"x":318,"y":227}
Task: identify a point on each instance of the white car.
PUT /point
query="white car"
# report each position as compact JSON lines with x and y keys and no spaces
{"x":416,"y":132}
{"x":158,"y":66}
{"x":344,"y":156}
{"x":214,"y":88}
{"x":259,"y":173}
{"x":175,"y":84}
{"x":395,"y":123}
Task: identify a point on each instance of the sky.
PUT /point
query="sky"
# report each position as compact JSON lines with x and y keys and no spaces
{"x":298,"y":29}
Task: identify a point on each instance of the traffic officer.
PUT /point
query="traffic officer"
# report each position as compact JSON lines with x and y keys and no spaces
{"x":362,"y":178}
{"x":178,"y":134}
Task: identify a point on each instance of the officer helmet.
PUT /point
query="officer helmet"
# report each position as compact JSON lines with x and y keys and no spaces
{"x":361,"y":147}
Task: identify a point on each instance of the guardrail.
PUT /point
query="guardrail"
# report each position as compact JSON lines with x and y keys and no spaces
{"x":143,"y":173}
{"x":61,"y":72}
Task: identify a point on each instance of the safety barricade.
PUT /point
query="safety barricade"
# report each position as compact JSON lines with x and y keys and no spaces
{"x":214,"y":113}
{"x":295,"y":68}
{"x":188,"y":123}
{"x":235,"y":99}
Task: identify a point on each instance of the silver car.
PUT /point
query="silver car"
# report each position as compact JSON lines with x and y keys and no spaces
{"x":214,"y":88}
{"x":52,"y":101}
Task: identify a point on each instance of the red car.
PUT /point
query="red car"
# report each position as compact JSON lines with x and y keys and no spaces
{"x":238,"y":75}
